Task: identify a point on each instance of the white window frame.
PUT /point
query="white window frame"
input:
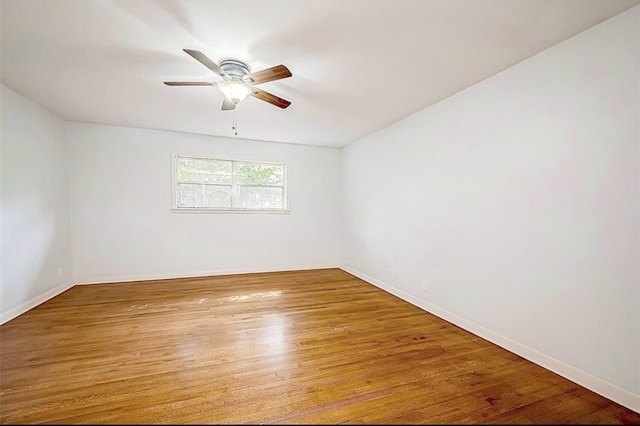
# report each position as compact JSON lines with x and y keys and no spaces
{"x":234,"y":186}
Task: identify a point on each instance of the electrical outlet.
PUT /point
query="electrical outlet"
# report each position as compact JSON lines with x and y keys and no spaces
{"x":425,"y":285}
{"x":266,"y":257}
{"x":60,"y":271}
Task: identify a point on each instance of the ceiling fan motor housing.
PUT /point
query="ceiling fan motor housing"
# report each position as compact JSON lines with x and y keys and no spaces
{"x":234,"y":69}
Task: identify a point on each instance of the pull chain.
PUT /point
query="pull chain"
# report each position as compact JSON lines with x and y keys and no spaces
{"x":234,"y":127}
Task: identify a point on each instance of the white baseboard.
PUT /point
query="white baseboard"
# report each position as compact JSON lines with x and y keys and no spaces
{"x":30,"y":304}
{"x":168,"y":276}
{"x":595,"y":384}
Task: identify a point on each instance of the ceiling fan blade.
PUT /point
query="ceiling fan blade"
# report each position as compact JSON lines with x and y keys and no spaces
{"x":227,"y":105}
{"x":271,"y":98}
{"x":270,"y":74}
{"x":189,"y":83}
{"x":200,"y":57}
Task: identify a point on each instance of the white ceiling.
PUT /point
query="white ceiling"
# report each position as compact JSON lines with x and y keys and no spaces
{"x":358,"y":65}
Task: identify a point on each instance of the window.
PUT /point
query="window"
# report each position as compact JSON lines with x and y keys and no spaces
{"x":211,"y":184}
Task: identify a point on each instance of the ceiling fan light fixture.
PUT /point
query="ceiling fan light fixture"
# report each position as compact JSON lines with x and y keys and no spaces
{"x":235,"y":91}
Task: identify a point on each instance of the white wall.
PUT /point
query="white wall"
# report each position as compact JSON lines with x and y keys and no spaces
{"x":518,"y":200}
{"x":123,"y":228}
{"x":34,"y":206}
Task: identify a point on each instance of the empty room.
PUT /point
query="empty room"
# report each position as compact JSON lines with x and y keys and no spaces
{"x":320,"y":212}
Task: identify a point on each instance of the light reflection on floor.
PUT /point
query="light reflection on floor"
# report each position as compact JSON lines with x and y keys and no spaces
{"x":275,"y":333}
{"x":254,"y":295}
{"x":269,"y":335}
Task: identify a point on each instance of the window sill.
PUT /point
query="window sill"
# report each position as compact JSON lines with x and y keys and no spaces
{"x":241,"y":211}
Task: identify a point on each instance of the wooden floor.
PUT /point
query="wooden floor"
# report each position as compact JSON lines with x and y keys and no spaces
{"x":292,"y":347}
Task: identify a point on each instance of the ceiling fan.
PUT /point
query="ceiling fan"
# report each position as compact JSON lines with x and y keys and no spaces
{"x":239,"y":81}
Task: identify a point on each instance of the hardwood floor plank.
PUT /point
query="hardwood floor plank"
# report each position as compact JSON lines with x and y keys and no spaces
{"x":294,"y":347}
